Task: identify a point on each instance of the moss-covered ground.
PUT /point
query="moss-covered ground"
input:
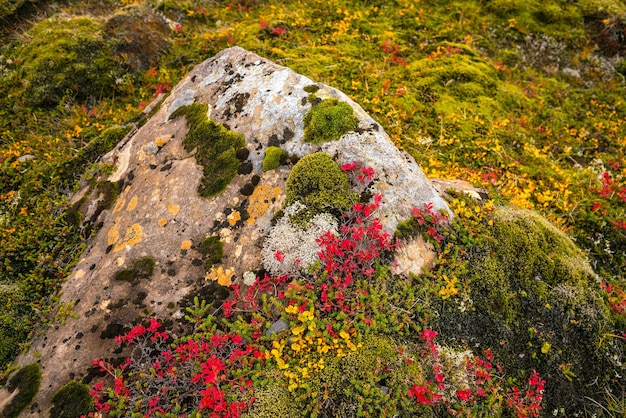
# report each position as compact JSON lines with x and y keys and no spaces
{"x":522,"y":98}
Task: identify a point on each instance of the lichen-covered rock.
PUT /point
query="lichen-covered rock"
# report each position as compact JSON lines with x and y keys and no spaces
{"x":172,"y":244}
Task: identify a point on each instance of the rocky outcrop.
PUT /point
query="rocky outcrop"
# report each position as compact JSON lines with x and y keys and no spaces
{"x":151,"y":252}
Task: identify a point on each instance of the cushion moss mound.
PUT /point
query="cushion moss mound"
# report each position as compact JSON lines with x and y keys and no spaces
{"x":216,"y":148}
{"x":26,"y":381}
{"x":71,"y":401}
{"x":318,"y":182}
{"x":328,"y":121}
{"x":68,"y":56}
{"x":272,"y":159}
{"x":538,"y":305}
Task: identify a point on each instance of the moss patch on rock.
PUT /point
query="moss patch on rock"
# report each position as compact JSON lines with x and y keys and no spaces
{"x":212,"y":250}
{"x":273,"y":158}
{"x":537,"y":303}
{"x":328,"y":121}
{"x":27,"y":381}
{"x":71,"y":401}
{"x":216,"y":148}
{"x":319,"y":183}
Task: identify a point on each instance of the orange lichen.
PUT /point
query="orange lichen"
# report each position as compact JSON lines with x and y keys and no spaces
{"x":234,"y":217}
{"x":185,"y":245}
{"x":260,"y":201}
{"x":161,"y":140}
{"x":114,"y":233}
{"x":133,"y":236}
{"x":223,"y":277}
{"x":132,"y":204}
{"x":162,"y":222}
{"x":119,"y":204}
{"x":173,"y":209}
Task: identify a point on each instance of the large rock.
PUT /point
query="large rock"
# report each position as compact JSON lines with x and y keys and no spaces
{"x":159,"y":216}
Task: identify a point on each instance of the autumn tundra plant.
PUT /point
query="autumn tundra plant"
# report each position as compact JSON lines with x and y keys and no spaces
{"x":352,"y":341}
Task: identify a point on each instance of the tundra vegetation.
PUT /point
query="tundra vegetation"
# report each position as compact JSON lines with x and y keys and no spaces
{"x":522,"y":98}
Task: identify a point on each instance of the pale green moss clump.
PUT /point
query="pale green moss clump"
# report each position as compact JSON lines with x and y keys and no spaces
{"x":68,"y":57}
{"x":272,"y":159}
{"x":328,"y":121}
{"x":216,"y":148}
{"x":318,"y":182}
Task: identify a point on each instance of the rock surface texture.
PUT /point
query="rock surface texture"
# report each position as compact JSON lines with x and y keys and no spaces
{"x":159,"y":216}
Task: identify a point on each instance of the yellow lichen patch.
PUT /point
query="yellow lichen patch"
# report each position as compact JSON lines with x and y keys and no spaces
{"x":223,"y":277}
{"x":185,"y":245}
{"x":260,"y":201}
{"x":172,"y":209}
{"x":79,"y":274}
{"x":162,"y":222}
{"x":133,"y":236}
{"x":114,"y":233}
{"x":119,"y":204}
{"x":132,"y":204}
{"x":234,"y":217}
{"x":161,"y":140}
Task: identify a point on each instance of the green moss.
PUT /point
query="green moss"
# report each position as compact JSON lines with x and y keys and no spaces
{"x":272,"y":401}
{"x":125,"y":275}
{"x":13,"y":316}
{"x":273,"y":158}
{"x":144,"y":267}
{"x":212,"y":249}
{"x":68,"y":57}
{"x":328,"y":121}
{"x":71,"y":401}
{"x":27,"y":381}
{"x":9,"y":7}
{"x":216,"y":149}
{"x":530,"y":285}
{"x":311,"y":88}
{"x":319,"y":183}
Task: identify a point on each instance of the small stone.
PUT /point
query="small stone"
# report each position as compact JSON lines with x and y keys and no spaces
{"x":26,"y":157}
{"x":151,"y":148}
{"x":277,"y":327}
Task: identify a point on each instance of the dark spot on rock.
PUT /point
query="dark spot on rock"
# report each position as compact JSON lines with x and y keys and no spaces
{"x":228,"y":211}
{"x":193,"y":79}
{"x":77,"y":347}
{"x":316,"y":101}
{"x":112,"y":330}
{"x":72,"y":375}
{"x":260,"y":147}
{"x":153,"y":166}
{"x":93,"y":329}
{"x":242,"y":154}
{"x":166,"y":167}
{"x":109,"y":248}
{"x":273,"y":141}
{"x":245,"y":168}
{"x":171,"y":272}
{"x":79,"y":335}
{"x":226,"y":126}
{"x":235,"y":105}
{"x":255,"y":180}
{"x":118,"y":350}
{"x":196,"y":262}
{"x":304,"y":101}
{"x":131,"y":176}
{"x":66,"y":340}
{"x":91,"y":267}
{"x":288,"y":134}
{"x":107,"y":317}
{"x":139,"y":299}
{"x":247,"y":190}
